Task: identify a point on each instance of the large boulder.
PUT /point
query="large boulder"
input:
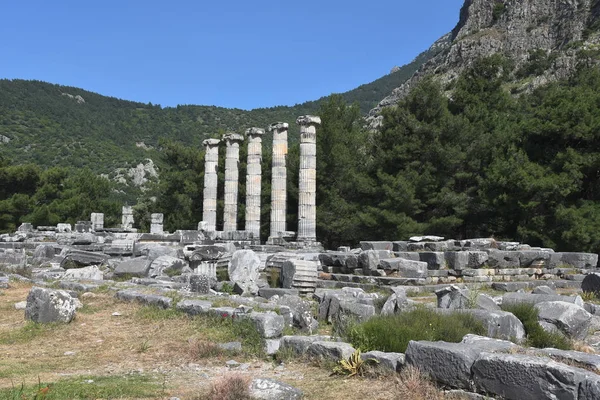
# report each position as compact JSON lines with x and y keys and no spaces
{"x":569,"y":318}
{"x":301,"y":311}
{"x":47,"y":305}
{"x":244,"y":266}
{"x":269,"y":324}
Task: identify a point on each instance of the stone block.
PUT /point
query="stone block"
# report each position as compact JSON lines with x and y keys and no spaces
{"x":47,"y":305}
{"x":405,"y":268}
{"x":332,"y":351}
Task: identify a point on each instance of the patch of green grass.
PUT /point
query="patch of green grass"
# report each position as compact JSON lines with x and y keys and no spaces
{"x":392,"y":333}
{"x":28,"y":332}
{"x":88,"y":387}
{"x":219,"y":329}
{"x":536,"y":335}
{"x":154,"y":313}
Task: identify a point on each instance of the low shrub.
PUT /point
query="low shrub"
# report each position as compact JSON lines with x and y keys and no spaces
{"x":536,"y":335}
{"x":200,"y":349}
{"x":414,"y":385}
{"x":392,"y":333}
{"x":231,"y":387}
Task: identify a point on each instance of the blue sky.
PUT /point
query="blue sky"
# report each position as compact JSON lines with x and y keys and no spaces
{"x":230,"y":53}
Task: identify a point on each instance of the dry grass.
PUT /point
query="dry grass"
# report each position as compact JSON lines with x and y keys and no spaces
{"x":413,"y":385}
{"x":177,"y":352}
{"x":231,"y":387}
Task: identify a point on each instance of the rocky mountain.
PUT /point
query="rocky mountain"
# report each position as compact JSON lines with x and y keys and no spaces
{"x":545,"y":40}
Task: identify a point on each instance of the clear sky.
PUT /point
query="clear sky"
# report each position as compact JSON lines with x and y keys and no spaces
{"x":231,"y":53}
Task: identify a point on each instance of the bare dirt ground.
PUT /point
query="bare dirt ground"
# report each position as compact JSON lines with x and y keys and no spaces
{"x":98,"y":343}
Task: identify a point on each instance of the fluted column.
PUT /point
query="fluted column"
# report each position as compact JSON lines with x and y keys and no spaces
{"x":279,"y":177}
{"x":307,"y":193}
{"x":253,"y":180}
{"x":211,"y":165}
{"x":232,"y":175}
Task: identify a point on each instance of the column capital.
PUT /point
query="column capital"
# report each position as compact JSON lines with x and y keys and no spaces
{"x":211,"y":142}
{"x":231,"y":137}
{"x":279,"y":126}
{"x":308,"y":120}
{"x":253,"y":132}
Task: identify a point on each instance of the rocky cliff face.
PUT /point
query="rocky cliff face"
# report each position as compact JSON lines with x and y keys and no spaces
{"x":515,"y":28}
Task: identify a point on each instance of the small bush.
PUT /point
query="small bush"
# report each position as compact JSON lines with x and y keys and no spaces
{"x":536,"y":335}
{"x":231,"y":387}
{"x":392,"y":333}
{"x":413,"y":385}
{"x":499,"y":9}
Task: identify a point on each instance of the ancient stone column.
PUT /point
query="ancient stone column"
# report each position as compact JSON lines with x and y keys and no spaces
{"x":97,"y":221}
{"x":279,"y":178}
{"x":307,"y":193}
{"x":253,"y":180}
{"x":156,"y":223}
{"x":232,"y":161}
{"x":127,"y":217}
{"x":211,"y":165}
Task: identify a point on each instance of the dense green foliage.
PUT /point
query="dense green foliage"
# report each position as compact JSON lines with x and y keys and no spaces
{"x":419,"y":324}
{"x":28,"y":194}
{"x":536,"y":335}
{"x":49,"y":126}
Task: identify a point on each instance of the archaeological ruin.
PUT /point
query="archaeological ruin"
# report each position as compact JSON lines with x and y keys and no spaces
{"x":290,"y":281}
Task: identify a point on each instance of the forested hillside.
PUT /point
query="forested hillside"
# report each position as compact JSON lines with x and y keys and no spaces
{"x":53,"y":125}
{"x":481,"y":163}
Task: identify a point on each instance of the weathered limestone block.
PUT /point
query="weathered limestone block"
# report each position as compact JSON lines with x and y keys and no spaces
{"x":516,"y":376}
{"x":405,"y":268}
{"x":269,"y":324}
{"x":47,"y":305}
{"x":194,"y":307}
{"x":447,"y":363}
{"x":332,"y":351}
{"x":386,"y":361}
{"x":166,"y":265}
{"x":156,"y":223}
{"x":127,"y":218}
{"x":434,"y":259}
{"x":569,"y":318}
{"x":503,"y":259}
{"x":338,"y":259}
{"x":299,"y":274}
{"x":143,"y":298}
{"x":382,"y":245}
{"x":453,"y":297}
{"x":244,"y":266}
{"x":574,"y":260}
{"x":86,"y":273}
{"x":299,"y":344}
{"x":271,"y":389}
{"x":79,"y":258}
{"x":516,"y":298}
{"x":137,"y":267}
{"x":498,"y":324}
{"x":97,"y":220}
{"x":534,"y":258}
